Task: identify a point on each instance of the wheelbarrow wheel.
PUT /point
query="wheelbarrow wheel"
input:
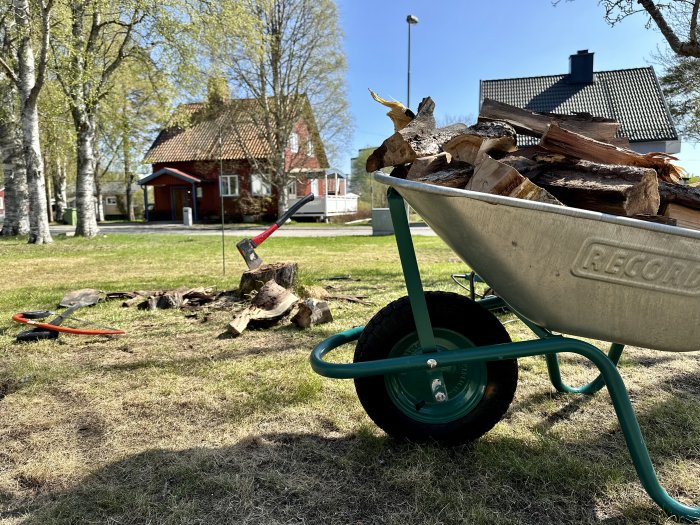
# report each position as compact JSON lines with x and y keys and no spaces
{"x":403,"y":405}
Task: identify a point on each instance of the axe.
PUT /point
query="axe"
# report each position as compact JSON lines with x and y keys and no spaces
{"x":246,"y":247}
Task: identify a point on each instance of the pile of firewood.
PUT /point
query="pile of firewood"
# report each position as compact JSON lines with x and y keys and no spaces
{"x":579,"y":162}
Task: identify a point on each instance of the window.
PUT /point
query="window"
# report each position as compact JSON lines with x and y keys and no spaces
{"x":309,"y":148}
{"x":2,"y":204}
{"x":292,"y":189}
{"x":294,"y":142}
{"x":111,"y":201}
{"x":258,"y":186}
{"x":228,"y":185}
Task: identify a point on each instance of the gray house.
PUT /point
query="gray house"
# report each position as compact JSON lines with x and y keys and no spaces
{"x":633,"y":97}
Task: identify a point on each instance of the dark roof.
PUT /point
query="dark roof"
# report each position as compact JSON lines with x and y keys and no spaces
{"x":186,"y":177}
{"x":194,"y":135}
{"x":633,"y":97}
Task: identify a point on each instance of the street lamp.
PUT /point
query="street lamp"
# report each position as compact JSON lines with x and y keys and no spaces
{"x":410,"y":19}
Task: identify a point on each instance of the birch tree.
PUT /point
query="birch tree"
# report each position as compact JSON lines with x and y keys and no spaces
{"x":98,"y":37}
{"x":287,"y":56}
{"x":29,"y":24}
{"x":15,"y":176}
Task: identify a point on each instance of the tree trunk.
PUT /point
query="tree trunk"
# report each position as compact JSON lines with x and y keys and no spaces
{"x":38,"y":221}
{"x":129,"y":178}
{"x":60,"y":188}
{"x":16,"y":200}
{"x":47,"y":187}
{"x":85,"y":184}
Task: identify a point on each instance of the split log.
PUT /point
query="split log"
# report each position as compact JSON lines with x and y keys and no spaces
{"x":658,"y":219}
{"x":418,"y":139}
{"x":687,"y":196}
{"x":441,"y":170}
{"x":572,"y":144}
{"x":311,"y":312}
{"x":685,"y":217}
{"x":270,"y":304}
{"x":483,"y":138}
{"x":492,"y":176}
{"x":619,"y":190}
{"x":283,"y":274}
{"x":535,"y":124}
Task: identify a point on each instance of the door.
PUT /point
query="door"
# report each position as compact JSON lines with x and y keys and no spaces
{"x":179,"y":198}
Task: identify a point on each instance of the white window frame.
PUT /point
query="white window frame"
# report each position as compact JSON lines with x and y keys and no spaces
{"x":110,"y":201}
{"x":309,"y":148}
{"x":257,"y":181}
{"x":294,"y":142}
{"x":292,"y":189}
{"x":225,"y":185}
{"x":2,"y":203}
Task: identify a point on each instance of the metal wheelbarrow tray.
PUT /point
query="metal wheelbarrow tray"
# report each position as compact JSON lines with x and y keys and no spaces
{"x":436,"y":366}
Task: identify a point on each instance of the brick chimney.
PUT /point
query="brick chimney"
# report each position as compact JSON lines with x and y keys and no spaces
{"x":581,"y":67}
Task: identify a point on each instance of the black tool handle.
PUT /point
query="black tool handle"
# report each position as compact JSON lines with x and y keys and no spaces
{"x":291,"y":211}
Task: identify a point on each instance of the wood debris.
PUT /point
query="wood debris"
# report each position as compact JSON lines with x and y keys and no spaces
{"x":580,"y":161}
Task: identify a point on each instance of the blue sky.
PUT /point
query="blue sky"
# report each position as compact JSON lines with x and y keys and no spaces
{"x":459,"y":42}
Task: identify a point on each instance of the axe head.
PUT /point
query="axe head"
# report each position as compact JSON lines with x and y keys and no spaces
{"x":246,"y":248}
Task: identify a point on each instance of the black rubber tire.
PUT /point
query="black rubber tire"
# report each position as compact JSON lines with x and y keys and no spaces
{"x":449,"y":311}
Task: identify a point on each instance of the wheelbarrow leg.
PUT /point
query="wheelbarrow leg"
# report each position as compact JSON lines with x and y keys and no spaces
{"x":409,"y":264}
{"x":591,"y":388}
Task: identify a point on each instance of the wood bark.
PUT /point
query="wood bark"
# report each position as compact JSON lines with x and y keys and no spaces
{"x":688,"y":196}
{"x":60,"y":187}
{"x":312,"y":312}
{"x":442,"y":170}
{"x":30,"y":80}
{"x":558,"y":140}
{"x":283,"y":274}
{"x":619,"y":190}
{"x":535,"y":124}
{"x":493,"y":138}
{"x":270,"y":304}
{"x":418,"y":139}
{"x":15,"y":175}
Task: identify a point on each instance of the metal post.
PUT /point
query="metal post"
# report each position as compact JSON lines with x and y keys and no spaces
{"x":410,"y":20}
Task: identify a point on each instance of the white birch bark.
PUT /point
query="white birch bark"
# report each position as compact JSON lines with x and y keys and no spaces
{"x":29,"y":117}
{"x":85,"y":184}
{"x":60,"y":188}
{"x":16,"y":200}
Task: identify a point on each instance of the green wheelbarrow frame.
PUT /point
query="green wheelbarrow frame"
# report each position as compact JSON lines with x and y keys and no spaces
{"x":548,"y":344}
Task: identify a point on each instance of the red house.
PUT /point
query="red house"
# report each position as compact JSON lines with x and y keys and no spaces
{"x":206,"y":164}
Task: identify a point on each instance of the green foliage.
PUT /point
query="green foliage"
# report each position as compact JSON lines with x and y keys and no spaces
{"x":681,"y":85}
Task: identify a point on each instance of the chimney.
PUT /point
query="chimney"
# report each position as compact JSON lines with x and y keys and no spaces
{"x":581,"y":67}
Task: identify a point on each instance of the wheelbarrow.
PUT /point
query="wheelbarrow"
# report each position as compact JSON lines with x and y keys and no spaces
{"x":439,"y":367}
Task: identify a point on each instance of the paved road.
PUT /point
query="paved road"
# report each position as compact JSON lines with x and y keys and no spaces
{"x":239,"y":231}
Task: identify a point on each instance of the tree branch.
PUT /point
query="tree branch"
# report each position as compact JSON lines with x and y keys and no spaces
{"x":690,"y":48}
{"x":9,"y":72}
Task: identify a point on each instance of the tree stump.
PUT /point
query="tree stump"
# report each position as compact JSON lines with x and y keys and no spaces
{"x":283,"y":274}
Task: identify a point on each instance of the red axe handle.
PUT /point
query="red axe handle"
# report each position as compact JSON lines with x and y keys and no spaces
{"x":258,"y":239}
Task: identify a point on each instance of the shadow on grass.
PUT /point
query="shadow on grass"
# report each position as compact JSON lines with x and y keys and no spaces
{"x":362,"y":478}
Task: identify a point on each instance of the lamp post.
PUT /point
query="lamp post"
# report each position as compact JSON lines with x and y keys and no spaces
{"x":410,"y":20}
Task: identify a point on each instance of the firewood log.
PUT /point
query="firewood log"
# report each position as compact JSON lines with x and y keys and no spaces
{"x":480,"y":139}
{"x":535,"y":124}
{"x":492,"y":176}
{"x":572,"y":144}
{"x":418,"y":139}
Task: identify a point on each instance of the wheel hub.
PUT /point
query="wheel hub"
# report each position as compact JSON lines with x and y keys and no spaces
{"x":413,"y":392}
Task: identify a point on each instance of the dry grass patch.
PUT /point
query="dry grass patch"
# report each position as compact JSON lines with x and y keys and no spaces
{"x":177,"y":423}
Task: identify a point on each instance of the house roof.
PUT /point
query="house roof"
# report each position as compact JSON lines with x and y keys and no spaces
{"x":186,"y":177}
{"x":193,"y":135}
{"x":633,"y":97}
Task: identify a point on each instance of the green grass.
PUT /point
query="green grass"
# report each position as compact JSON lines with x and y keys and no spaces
{"x":175,"y":422}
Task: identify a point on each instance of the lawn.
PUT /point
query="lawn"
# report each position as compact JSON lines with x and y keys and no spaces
{"x":175,"y":422}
